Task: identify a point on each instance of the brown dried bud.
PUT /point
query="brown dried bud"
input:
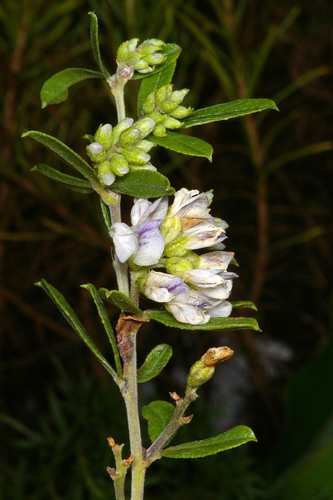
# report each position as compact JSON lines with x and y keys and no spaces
{"x":216,"y":355}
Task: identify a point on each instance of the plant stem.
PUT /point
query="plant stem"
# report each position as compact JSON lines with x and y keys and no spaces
{"x":176,"y":421}
{"x":127,"y":332}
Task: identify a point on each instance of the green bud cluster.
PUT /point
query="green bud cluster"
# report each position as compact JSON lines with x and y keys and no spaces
{"x":163,"y":106}
{"x":142,"y":58}
{"x":117,"y":150}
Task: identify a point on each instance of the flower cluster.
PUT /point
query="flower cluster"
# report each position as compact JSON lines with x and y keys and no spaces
{"x":142,"y":58}
{"x":194,"y":287}
{"x":163,"y":106}
{"x":117,"y":150}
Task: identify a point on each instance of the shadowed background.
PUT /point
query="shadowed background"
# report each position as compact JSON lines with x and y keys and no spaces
{"x":272,"y":179}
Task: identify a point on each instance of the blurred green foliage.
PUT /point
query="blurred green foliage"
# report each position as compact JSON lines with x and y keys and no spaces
{"x":272,"y":177}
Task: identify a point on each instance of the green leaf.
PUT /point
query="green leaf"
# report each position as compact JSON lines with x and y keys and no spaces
{"x":55,"y":89}
{"x":167,"y":319}
{"x":197,"y":449}
{"x":158,"y":414}
{"x":244,"y":303}
{"x":172,"y":51}
{"x":154,"y":82}
{"x":65,"y":153}
{"x":106,"y":214}
{"x":184,"y":144}
{"x":69,"y":180}
{"x":95,"y":43}
{"x":105,"y":321}
{"x":228,"y":110}
{"x":143,"y":184}
{"x":154,"y":362}
{"x":74,"y":322}
{"x":120,"y":300}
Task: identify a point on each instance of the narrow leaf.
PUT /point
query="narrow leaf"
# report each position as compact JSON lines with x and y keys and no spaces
{"x":184,"y":144}
{"x":197,"y":449}
{"x":106,"y":214}
{"x":244,"y":303}
{"x":120,"y":300}
{"x":213,"y":324}
{"x":172,"y":52}
{"x":228,"y":110}
{"x":158,"y":414}
{"x":106,"y":323}
{"x":74,"y":322}
{"x":154,"y":82}
{"x":154,"y":362}
{"x":55,"y":89}
{"x":95,"y":43}
{"x":68,"y":180}
{"x":143,"y":184}
{"x":65,"y":153}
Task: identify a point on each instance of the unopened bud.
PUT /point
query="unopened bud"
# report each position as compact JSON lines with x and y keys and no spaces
{"x":163,"y":93}
{"x":204,"y":369}
{"x":171,"y":123}
{"x":159,"y":130}
{"x":181,"y":112}
{"x":178,"y":95}
{"x":145,"y":146}
{"x":168,"y":106}
{"x":126,"y":48}
{"x":170,"y":228}
{"x":103,"y":135}
{"x":96,"y":152}
{"x":176,"y":247}
{"x":145,"y":125}
{"x":119,"y":164}
{"x":149,"y":104}
{"x":105,"y":174}
{"x":120,"y":128}
{"x":175,"y":265}
{"x":135,"y":155}
{"x":129,"y":136}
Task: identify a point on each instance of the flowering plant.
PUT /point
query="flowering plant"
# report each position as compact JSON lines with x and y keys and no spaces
{"x":171,"y":253}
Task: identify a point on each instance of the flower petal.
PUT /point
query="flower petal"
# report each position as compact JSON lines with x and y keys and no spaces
{"x":222,"y":310}
{"x":124,"y":239}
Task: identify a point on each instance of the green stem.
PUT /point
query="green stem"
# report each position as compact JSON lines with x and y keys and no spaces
{"x":176,"y":421}
{"x":130,"y":395}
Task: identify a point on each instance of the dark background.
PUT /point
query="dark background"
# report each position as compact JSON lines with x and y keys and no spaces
{"x":272,"y":179}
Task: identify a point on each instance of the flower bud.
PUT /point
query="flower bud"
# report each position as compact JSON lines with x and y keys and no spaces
{"x":146,"y":146}
{"x":168,"y":106}
{"x":155,"y":58}
{"x":151,"y":45}
{"x":96,"y":152}
{"x":176,"y":247}
{"x":204,"y":369}
{"x":130,"y":135}
{"x":199,"y":374}
{"x":171,"y":123}
{"x":120,"y":128}
{"x":159,"y":130}
{"x":135,"y":155}
{"x":145,"y":125}
{"x":175,"y":265}
{"x":178,"y":95}
{"x":181,"y":112}
{"x":149,"y":104}
{"x":170,"y":228}
{"x":126,"y":48}
{"x":103,"y":135}
{"x":163,"y":93}
{"x":119,"y":164}
{"x":105,"y":174}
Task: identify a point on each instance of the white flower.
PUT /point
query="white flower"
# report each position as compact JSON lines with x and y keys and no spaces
{"x":216,"y":260}
{"x":203,"y":235}
{"x":191,"y":207}
{"x":163,"y":287}
{"x":125,"y":241}
{"x":143,"y":242}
